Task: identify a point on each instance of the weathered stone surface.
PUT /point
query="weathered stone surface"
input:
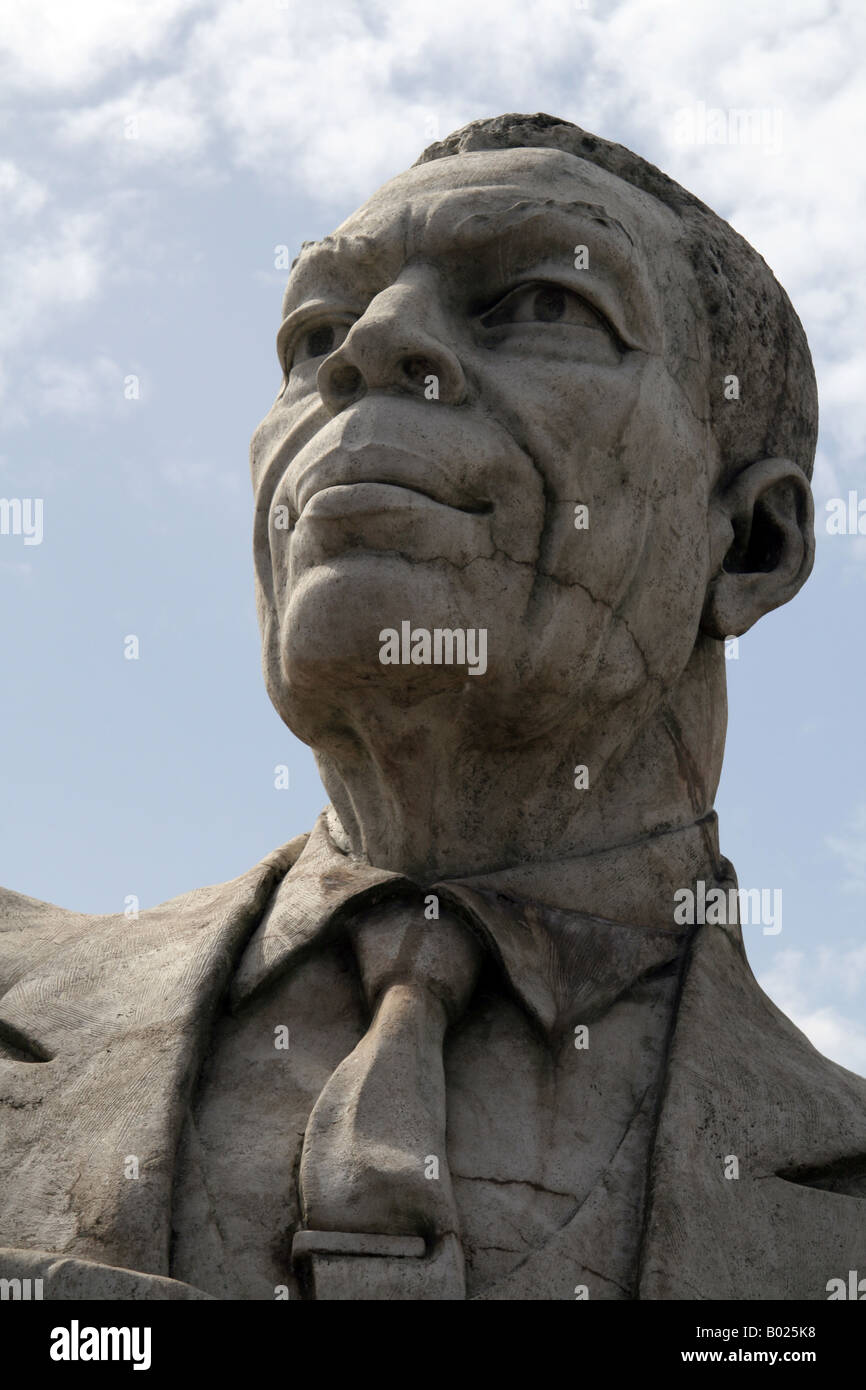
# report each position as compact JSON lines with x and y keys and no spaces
{"x":544,"y":440}
{"x":35,"y":1275}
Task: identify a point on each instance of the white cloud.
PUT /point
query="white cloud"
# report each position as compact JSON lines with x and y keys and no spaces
{"x":796,"y":981}
{"x":152,"y":121}
{"x":851,"y":849}
{"x":20,"y":194}
{"x":838,"y":1037}
{"x":48,"y":45}
{"x":45,"y":269}
{"x":825,"y":484}
{"x":327,"y":101}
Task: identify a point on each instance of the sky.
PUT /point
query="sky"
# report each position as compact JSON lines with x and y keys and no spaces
{"x":158,"y":163}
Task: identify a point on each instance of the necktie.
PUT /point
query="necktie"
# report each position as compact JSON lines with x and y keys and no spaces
{"x":376,"y":1197}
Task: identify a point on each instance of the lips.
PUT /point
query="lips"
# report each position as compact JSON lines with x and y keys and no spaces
{"x":379,"y":467}
{"x":374,"y":497}
{"x":387,"y":446}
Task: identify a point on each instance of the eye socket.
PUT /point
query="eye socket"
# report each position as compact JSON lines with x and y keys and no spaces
{"x":544,"y":303}
{"x":315,"y":341}
{"x":318,"y":342}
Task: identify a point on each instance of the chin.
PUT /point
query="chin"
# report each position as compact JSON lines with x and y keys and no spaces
{"x":338,"y":610}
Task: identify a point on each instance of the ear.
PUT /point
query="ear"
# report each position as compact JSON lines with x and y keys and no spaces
{"x":762,"y":545}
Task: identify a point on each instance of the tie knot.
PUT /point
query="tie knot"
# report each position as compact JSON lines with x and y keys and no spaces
{"x":396,"y":944}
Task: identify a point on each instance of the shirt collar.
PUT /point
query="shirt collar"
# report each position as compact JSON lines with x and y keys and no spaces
{"x":570,"y":935}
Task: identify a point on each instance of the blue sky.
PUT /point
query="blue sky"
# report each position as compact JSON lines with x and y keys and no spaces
{"x":154,"y":158}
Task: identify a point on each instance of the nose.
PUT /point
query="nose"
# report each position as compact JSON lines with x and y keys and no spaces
{"x":398,"y":344}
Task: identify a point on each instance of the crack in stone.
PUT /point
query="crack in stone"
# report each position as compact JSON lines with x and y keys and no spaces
{"x":513,"y":1182}
{"x":607,"y":1280}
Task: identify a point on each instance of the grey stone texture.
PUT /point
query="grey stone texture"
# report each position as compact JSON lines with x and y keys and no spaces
{"x":458,"y":1042}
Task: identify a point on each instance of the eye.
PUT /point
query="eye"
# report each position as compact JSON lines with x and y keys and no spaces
{"x":317,"y":340}
{"x":543,"y":303}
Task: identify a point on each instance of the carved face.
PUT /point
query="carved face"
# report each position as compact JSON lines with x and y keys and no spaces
{"x":493,"y":417}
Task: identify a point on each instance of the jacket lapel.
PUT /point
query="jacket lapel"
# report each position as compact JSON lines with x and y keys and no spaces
{"x":122,"y":1014}
{"x":307,"y":908}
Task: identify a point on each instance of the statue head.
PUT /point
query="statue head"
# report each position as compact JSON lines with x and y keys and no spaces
{"x":532,"y":389}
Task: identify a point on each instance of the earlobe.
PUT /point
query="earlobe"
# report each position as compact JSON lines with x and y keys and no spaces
{"x":762,"y":545}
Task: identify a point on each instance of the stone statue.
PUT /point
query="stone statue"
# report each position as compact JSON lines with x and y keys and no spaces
{"x":543,"y":444}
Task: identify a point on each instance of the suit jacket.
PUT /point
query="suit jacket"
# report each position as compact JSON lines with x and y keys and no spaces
{"x":104,"y":1022}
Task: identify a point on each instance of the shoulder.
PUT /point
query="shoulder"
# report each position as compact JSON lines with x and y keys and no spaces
{"x":749,"y":1060}
{"x":832,"y":1098}
{"x":32,"y":931}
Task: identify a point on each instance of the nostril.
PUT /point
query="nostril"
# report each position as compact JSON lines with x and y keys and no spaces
{"x":345,"y":381}
{"x":417,"y":369}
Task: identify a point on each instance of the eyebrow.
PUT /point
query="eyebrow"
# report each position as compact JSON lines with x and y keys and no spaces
{"x":339,"y":254}
{"x":612,"y":248}
{"x":481,"y":227}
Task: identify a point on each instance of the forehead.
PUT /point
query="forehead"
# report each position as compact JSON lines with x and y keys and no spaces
{"x":462,"y":204}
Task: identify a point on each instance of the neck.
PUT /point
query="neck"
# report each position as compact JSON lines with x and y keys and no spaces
{"x":421,"y":795}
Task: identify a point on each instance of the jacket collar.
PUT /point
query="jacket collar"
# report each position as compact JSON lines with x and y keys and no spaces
{"x":570,"y":935}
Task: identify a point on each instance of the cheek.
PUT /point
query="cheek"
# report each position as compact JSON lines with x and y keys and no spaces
{"x":595,"y":434}
{"x":622,"y":445}
{"x":666,"y":595}
{"x":292,"y":420}
{"x":630,"y":450}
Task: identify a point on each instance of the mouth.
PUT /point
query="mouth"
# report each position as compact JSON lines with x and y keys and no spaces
{"x":376,"y":495}
{"x":374,"y":474}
